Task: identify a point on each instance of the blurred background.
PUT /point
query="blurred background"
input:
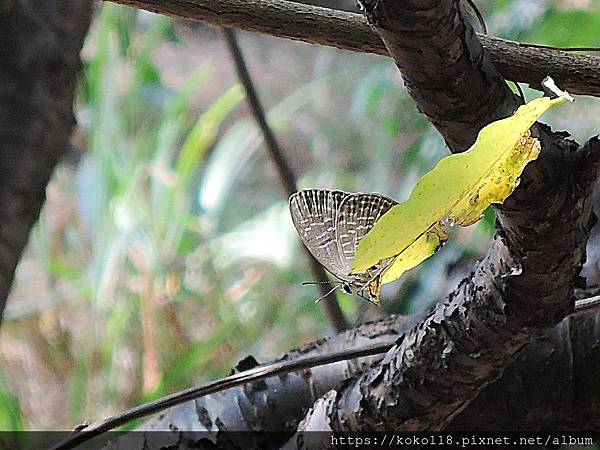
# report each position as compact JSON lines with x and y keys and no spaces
{"x":165,"y":251}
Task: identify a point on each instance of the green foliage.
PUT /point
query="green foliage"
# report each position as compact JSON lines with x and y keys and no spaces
{"x":564,"y":28}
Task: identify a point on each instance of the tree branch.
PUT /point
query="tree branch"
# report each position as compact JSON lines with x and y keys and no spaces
{"x":283,"y":400}
{"x":563,"y":362}
{"x":444,"y":68}
{"x":579,"y":74}
{"x":549,"y":386}
{"x":253,"y":374}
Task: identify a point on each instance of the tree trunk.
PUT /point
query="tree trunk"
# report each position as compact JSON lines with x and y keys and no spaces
{"x":40,"y":44}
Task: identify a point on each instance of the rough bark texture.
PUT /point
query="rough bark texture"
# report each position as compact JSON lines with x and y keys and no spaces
{"x":40,"y":44}
{"x":279,"y":403}
{"x":444,"y":67}
{"x":551,"y":385}
{"x":349,"y":31}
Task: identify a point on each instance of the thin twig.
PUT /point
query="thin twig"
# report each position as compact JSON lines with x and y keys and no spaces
{"x":285,"y":172}
{"x":560,"y":49}
{"x":88,"y":432}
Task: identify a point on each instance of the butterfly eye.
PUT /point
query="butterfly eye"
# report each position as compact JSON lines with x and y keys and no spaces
{"x":346,"y":288}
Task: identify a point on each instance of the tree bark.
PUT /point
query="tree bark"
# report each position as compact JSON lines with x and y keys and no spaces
{"x":557,"y":372}
{"x":579,"y":74}
{"x":551,"y":385}
{"x":40,"y":44}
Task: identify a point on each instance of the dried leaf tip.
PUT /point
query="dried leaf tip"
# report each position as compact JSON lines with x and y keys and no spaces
{"x":549,"y":84}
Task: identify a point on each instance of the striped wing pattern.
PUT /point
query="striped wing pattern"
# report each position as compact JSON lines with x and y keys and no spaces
{"x":313,"y":213}
{"x":355,"y":217}
{"x":332,"y":223}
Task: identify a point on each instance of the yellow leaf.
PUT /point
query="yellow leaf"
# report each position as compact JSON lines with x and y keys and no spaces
{"x":422,"y":249}
{"x":457,"y":191}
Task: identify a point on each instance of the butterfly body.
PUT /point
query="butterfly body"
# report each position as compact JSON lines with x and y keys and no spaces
{"x":331,"y":224}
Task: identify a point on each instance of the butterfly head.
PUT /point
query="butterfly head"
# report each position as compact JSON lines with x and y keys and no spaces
{"x":366,"y":288}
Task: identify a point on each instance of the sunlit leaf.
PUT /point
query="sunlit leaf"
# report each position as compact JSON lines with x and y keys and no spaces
{"x":457,"y":191}
{"x":204,"y":132}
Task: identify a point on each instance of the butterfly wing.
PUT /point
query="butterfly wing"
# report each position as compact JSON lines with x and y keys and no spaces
{"x":356,"y":216}
{"x":313,"y":213}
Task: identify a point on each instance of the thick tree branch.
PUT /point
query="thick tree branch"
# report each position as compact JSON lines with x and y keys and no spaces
{"x":277,"y":403}
{"x":556,"y":372}
{"x":551,"y":385}
{"x":578,"y":74}
{"x":249,"y":371}
{"x":526,"y":282}
{"x":40,"y":59}
{"x":444,"y":67}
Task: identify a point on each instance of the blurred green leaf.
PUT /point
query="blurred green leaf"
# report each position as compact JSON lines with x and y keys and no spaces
{"x":11,"y":416}
{"x":568,"y":28}
{"x":204,"y":133}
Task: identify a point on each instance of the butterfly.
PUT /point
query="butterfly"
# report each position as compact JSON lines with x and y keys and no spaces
{"x":331,"y":224}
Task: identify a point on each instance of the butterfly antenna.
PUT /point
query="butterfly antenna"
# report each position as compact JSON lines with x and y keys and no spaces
{"x":329,"y":292}
{"x":305,"y":283}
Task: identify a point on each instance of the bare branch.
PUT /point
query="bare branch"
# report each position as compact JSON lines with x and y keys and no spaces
{"x":521,"y":394}
{"x":579,"y":74}
{"x":87,"y":432}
